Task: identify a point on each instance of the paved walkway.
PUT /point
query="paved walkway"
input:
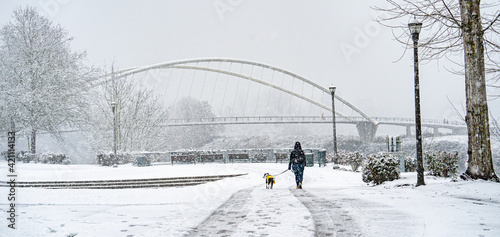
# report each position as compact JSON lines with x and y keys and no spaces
{"x":259,"y":212}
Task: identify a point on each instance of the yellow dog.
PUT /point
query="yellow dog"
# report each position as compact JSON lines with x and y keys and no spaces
{"x":269,"y":181}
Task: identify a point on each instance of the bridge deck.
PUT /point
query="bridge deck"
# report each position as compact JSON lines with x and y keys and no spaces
{"x":405,"y":122}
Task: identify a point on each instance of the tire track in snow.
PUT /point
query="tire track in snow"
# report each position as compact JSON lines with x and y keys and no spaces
{"x":329,"y":218}
{"x":258,"y":211}
{"x":224,"y":220}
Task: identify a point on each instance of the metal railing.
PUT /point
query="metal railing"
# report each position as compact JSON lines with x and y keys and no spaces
{"x":396,"y":121}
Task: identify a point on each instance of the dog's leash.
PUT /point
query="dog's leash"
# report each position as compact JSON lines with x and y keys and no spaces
{"x":281,"y":173}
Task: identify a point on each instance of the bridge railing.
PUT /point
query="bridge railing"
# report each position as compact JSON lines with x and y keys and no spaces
{"x":266,"y":119}
{"x":412,"y":120}
{"x":308,"y":119}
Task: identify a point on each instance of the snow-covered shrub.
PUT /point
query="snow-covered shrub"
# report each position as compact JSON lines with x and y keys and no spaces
{"x":108,"y":158}
{"x":410,"y":164}
{"x":53,"y":158}
{"x":260,"y":157}
{"x":25,"y":157}
{"x":330,"y":156}
{"x":142,"y":158}
{"x":354,"y":159}
{"x":380,"y":168}
{"x":441,"y":163}
{"x":104,"y":159}
{"x":142,"y":161}
{"x":341,"y":157}
{"x":451,"y":147}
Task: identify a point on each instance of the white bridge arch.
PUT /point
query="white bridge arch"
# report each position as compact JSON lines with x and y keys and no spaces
{"x":365,"y":124}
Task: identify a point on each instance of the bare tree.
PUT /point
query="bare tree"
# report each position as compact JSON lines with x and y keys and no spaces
{"x":458,"y":27}
{"x":192,"y":136}
{"x":42,"y":79}
{"x":139,"y":115}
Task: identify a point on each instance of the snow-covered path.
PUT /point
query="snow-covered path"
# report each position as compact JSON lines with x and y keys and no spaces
{"x":257,"y":212}
{"x":332,"y":203}
{"x":330,"y":219}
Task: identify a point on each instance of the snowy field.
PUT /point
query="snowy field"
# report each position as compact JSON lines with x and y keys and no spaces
{"x":332,"y":203}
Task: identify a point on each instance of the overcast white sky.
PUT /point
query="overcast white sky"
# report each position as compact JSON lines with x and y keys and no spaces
{"x":304,"y":37}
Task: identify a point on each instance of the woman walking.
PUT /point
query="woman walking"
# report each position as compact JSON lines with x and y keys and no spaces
{"x":297,"y":164}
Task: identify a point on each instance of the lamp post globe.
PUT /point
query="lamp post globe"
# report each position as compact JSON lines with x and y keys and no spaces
{"x":332,"y":89}
{"x":415,"y":26}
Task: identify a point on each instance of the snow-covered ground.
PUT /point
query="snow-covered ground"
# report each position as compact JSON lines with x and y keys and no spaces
{"x":332,"y":202}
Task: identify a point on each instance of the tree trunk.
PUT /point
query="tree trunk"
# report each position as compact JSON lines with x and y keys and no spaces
{"x":33,"y":142}
{"x":480,"y":164}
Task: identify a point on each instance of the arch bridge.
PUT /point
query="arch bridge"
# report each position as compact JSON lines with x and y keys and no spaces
{"x":278,"y":85}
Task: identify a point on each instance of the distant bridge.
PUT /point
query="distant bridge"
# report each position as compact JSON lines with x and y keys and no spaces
{"x":272,"y":78}
{"x":455,"y":127}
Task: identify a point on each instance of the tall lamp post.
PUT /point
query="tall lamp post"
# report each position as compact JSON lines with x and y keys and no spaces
{"x":415,"y":27}
{"x":335,"y":155}
{"x":113,"y":107}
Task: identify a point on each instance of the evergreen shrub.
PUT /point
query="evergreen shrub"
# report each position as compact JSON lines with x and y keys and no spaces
{"x":380,"y":168}
{"x":25,"y":157}
{"x":441,"y":163}
{"x":108,"y":158}
{"x":410,"y":164}
{"x":52,"y":158}
{"x":355,"y":160}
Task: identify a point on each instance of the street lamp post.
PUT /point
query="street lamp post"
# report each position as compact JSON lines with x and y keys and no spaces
{"x":113,"y":107}
{"x":415,"y":27}
{"x":335,"y":155}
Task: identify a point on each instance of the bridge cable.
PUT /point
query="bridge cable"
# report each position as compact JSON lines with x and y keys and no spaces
{"x":225,"y":90}
{"x":204,"y":79}
{"x":281,"y":93}
{"x":258,"y":94}
{"x":270,"y":92}
{"x":166,"y":88}
{"x":302,"y":94}
{"x":248,"y":91}
{"x":237,"y":87}
{"x":192,"y":81}
{"x":312,"y":96}
{"x":179,"y":88}
{"x":215,"y":84}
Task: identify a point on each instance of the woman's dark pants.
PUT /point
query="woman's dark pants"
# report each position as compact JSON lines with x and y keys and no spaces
{"x":298,"y":170}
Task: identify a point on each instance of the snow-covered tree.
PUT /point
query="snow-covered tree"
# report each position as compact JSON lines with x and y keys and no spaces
{"x":459,"y":27}
{"x":43,"y":81}
{"x":192,"y":136}
{"x":139,"y":115}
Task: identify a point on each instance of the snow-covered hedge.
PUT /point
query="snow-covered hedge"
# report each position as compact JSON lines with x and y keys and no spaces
{"x":108,"y":158}
{"x":380,"y":168}
{"x":44,"y":158}
{"x":145,"y":158}
{"x":53,"y":158}
{"x":25,"y":157}
{"x":441,"y":163}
